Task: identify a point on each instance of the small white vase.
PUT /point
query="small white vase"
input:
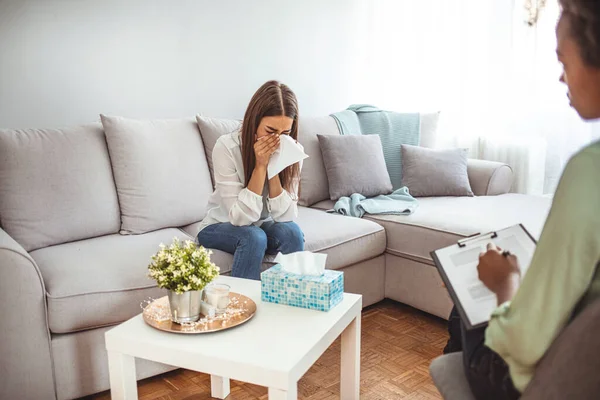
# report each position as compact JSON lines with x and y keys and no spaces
{"x":185,"y":307}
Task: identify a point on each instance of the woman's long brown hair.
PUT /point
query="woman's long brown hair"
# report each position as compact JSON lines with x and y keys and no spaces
{"x":270,"y":100}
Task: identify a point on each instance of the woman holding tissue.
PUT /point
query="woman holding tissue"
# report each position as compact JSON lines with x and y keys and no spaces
{"x":249,"y":214}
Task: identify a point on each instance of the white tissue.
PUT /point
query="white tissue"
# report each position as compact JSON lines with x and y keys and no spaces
{"x":289,"y":153}
{"x":302,"y":263}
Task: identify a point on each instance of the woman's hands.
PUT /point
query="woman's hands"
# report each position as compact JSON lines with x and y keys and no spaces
{"x":264,"y":147}
{"x":500,"y":273}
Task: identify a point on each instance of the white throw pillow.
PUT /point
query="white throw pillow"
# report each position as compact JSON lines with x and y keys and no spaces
{"x":160,"y":171}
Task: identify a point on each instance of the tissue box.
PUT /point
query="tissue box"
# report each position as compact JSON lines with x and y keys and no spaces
{"x":315,"y":292}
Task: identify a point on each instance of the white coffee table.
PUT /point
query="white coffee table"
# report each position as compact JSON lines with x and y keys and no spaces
{"x":273,"y":349}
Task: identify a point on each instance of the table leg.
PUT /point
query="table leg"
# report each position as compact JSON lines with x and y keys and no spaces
{"x":121,"y":370}
{"x":278,"y":394}
{"x":350,"y":377}
{"x":219,"y":386}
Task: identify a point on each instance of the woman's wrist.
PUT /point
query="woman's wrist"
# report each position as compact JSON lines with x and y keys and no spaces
{"x":257,"y":180}
{"x":259,"y":168}
{"x":275,"y":188}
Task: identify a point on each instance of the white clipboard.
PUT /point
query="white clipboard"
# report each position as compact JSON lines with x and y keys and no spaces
{"x":457,"y":265}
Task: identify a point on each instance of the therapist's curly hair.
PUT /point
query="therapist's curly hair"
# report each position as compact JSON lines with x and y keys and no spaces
{"x":584,"y":24}
{"x":270,"y":100}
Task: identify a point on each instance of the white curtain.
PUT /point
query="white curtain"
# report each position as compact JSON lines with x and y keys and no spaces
{"x":494,"y":77}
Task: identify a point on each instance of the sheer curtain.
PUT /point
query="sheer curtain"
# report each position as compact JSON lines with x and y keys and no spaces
{"x":494,"y":77}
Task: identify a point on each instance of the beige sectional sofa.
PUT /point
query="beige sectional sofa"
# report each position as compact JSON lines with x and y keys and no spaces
{"x":68,"y":274}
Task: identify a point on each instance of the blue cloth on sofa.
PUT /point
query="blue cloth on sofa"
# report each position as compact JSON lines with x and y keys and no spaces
{"x":399,"y":202}
{"x":394,"y":129}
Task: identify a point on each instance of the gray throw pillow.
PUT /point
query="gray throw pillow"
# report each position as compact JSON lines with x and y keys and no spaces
{"x":354,"y":164}
{"x":56,"y":185}
{"x":160,"y":172}
{"x":313,"y":180}
{"x":435,"y":172}
{"x":211,"y":130}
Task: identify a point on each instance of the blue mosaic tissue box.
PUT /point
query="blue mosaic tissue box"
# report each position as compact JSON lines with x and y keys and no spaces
{"x":315,"y":292}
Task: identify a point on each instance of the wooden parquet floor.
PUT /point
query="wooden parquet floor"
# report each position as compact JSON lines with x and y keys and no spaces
{"x":398,"y":343}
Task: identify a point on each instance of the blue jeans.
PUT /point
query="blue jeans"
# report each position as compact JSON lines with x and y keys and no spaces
{"x":249,"y":244}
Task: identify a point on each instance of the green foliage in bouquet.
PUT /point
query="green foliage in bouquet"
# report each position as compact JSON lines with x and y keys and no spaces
{"x":182,"y":267}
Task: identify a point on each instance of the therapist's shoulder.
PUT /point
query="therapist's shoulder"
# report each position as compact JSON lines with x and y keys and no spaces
{"x":581,"y":173}
{"x":586,"y":161}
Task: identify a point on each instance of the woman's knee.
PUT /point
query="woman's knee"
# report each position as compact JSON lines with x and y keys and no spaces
{"x":290,"y":236}
{"x":253,"y":236}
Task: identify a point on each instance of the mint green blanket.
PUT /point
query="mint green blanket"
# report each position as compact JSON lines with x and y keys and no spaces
{"x":395,"y":129}
{"x":399,"y":202}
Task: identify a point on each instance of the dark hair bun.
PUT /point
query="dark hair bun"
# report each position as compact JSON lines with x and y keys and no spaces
{"x":584,"y":21}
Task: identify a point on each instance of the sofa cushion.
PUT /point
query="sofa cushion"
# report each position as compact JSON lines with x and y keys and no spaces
{"x":435,"y":172}
{"x":100,"y":281}
{"x":56,"y":185}
{"x":324,"y":205}
{"x":314,"y":186}
{"x":160,"y":170}
{"x":211,"y":130}
{"x":366,"y":173}
{"x":441,"y":221}
{"x":345,"y":240}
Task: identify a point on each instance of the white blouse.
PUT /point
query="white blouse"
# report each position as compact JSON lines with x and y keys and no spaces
{"x":234,"y":203}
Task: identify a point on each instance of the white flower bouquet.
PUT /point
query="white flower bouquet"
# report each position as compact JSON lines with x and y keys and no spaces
{"x":182,"y":267}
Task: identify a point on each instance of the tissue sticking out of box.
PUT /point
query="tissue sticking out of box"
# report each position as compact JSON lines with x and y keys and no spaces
{"x":302,"y":263}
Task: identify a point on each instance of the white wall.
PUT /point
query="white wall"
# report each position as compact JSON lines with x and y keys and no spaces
{"x":64,"y":62}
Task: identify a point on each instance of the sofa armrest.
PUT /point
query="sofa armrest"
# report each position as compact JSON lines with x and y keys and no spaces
{"x":25,"y":352}
{"x":489,"y":178}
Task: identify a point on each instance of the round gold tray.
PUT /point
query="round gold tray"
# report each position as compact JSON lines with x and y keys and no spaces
{"x":241,"y":308}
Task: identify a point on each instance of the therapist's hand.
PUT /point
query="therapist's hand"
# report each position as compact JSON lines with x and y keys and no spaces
{"x":501,"y":274}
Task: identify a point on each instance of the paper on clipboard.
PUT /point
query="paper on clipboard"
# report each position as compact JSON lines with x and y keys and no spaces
{"x":457,"y":265}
